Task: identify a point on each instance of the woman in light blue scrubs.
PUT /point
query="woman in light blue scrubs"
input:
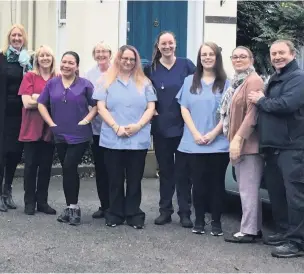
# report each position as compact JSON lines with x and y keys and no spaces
{"x":167,"y":73}
{"x":101,"y":54}
{"x":126,"y":105}
{"x":203,"y":144}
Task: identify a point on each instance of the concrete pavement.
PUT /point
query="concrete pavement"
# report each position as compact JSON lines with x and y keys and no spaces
{"x":40,"y":244}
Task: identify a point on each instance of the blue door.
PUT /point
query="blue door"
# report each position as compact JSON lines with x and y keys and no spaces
{"x":146,"y":19}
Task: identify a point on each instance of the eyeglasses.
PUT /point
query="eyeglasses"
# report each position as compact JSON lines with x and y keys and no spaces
{"x":241,"y":57}
{"x":126,"y":59}
{"x":102,"y":51}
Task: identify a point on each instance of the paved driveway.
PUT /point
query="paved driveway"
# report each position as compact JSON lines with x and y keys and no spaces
{"x":40,"y":244}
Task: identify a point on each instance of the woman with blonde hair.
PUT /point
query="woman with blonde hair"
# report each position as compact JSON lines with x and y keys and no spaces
{"x":126,"y":105}
{"x":102,"y":54}
{"x":36,"y":134}
{"x":14,"y":63}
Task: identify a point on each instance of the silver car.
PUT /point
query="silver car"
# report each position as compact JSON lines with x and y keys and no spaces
{"x":232,"y":187}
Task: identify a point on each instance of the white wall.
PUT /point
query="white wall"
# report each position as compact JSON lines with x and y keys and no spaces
{"x":222,"y":34}
{"x":89,"y":22}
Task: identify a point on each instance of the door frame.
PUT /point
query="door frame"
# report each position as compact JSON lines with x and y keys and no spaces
{"x":195,"y":26}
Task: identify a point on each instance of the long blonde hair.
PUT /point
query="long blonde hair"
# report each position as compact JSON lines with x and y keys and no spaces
{"x":137,"y":73}
{"x":7,"y":40}
{"x":36,"y":64}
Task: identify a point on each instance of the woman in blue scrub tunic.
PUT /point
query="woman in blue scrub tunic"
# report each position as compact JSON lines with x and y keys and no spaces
{"x":126,"y":105}
{"x":167,"y":73}
{"x":102,"y":54}
{"x":203,"y":144}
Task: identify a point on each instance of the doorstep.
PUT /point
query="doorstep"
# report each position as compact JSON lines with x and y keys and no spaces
{"x":149,"y":172}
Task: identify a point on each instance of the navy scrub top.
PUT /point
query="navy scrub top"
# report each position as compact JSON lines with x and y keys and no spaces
{"x":167,"y":83}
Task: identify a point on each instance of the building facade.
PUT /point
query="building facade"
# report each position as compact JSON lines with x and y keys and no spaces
{"x":78,"y":25}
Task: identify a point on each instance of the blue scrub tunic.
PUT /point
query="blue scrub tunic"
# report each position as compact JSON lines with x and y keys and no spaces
{"x":167,"y":83}
{"x":126,"y":105}
{"x":203,"y":107}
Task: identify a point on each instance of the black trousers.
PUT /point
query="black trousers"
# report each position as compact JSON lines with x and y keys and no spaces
{"x":102,"y":182}
{"x":284,"y":177}
{"x":208,"y":177}
{"x":8,"y":169}
{"x":165,"y":152}
{"x":70,"y":156}
{"x":38,"y":159}
{"x":125,"y":204}
{"x":183,"y":182}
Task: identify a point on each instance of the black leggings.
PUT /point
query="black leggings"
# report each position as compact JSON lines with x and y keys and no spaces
{"x":70,"y":156}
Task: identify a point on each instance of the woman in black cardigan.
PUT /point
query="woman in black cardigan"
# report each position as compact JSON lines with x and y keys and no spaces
{"x":14,"y":63}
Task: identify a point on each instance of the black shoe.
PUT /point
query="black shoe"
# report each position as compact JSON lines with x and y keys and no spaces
{"x":163,"y":219}
{"x":8,"y":199}
{"x":75,"y":215}
{"x":199,"y":227}
{"x":287,"y":250}
{"x":45,"y":208}
{"x":3,"y":206}
{"x":29,"y":209}
{"x":275,"y":239}
{"x":216,"y":229}
{"x":186,"y":221}
{"x":98,"y":214}
{"x":64,"y":217}
{"x":245,"y":239}
{"x":137,"y":226}
{"x":111,"y":223}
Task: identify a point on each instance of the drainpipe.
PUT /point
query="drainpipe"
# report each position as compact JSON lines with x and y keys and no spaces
{"x":30,"y":16}
{"x":18,"y":12}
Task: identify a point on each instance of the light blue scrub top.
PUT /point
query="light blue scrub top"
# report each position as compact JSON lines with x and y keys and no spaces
{"x":93,"y":75}
{"x":202,"y":107}
{"x":126,"y":105}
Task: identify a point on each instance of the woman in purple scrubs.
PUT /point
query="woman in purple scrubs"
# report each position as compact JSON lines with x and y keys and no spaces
{"x":167,"y":73}
{"x":69,"y":98}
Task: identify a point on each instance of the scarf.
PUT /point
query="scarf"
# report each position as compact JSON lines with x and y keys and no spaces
{"x":13,"y":55}
{"x":224,"y":107}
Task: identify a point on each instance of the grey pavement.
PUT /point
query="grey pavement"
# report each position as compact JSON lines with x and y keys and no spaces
{"x":40,"y":244}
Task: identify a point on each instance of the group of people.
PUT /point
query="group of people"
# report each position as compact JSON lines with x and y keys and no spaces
{"x":200,"y":121}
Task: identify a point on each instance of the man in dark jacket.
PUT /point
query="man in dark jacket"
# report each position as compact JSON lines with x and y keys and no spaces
{"x":281,"y":133}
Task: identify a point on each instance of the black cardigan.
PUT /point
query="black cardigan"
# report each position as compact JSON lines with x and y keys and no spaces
{"x":3,"y":95}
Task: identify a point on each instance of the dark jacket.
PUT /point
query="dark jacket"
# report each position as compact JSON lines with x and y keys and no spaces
{"x":281,"y":111}
{"x":2,"y":103}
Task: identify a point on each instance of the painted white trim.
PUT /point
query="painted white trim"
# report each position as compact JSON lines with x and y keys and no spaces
{"x":122,"y":24}
{"x":57,"y":30}
{"x":195,"y":26}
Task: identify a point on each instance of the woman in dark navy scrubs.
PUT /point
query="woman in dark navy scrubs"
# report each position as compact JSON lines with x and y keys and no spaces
{"x":167,"y":73}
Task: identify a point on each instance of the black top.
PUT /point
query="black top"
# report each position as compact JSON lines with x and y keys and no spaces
{"x":281,"y":111}
{"x":11,"y":75}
